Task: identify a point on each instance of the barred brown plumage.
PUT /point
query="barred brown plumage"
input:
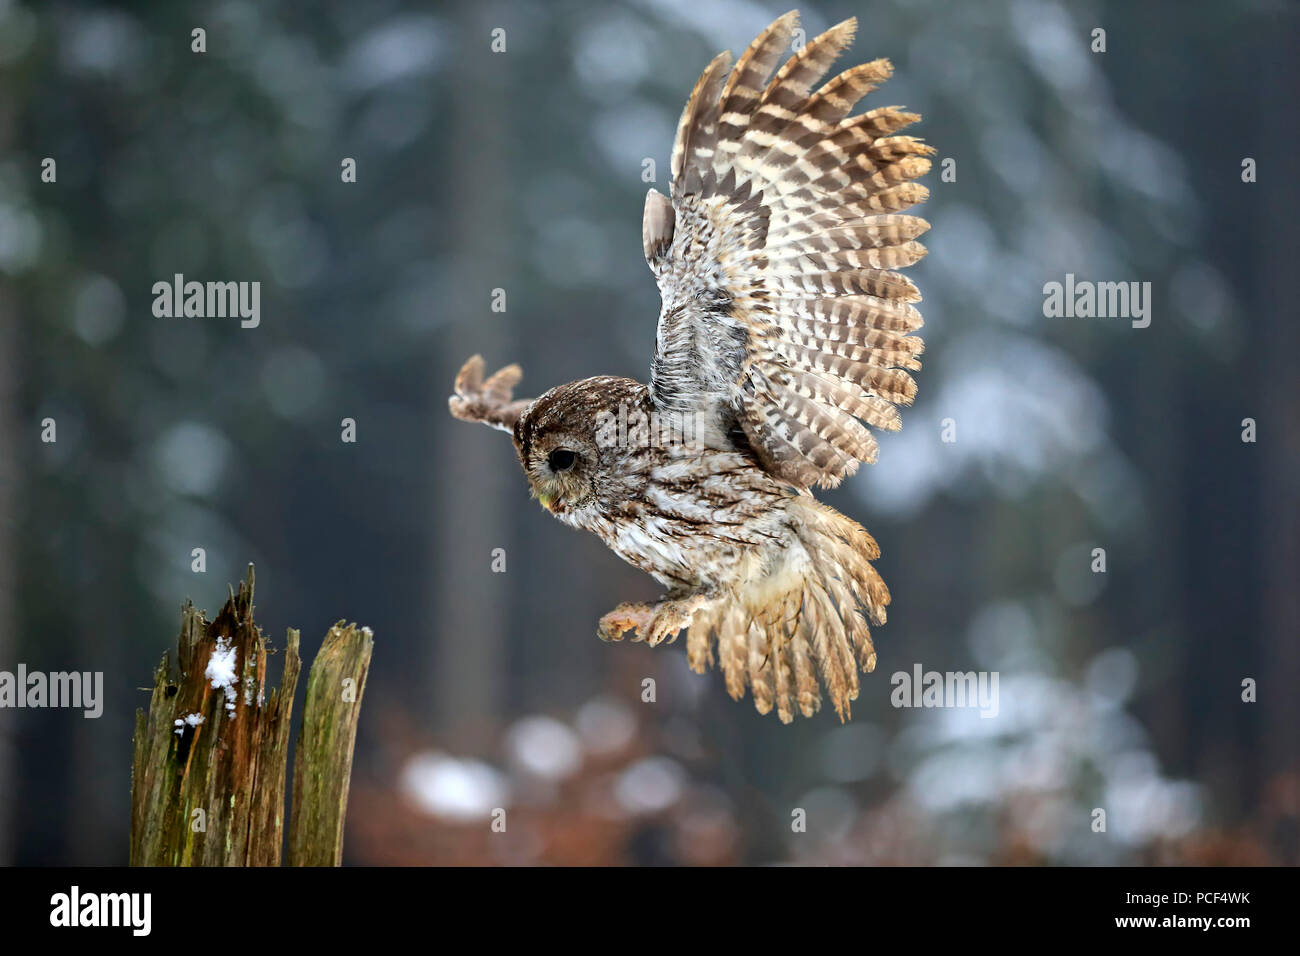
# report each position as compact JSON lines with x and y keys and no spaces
{"x":785,"y":332}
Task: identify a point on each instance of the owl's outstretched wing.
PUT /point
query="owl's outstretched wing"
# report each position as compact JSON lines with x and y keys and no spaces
{"x":782,"y":314}
{"x":492,"y":401}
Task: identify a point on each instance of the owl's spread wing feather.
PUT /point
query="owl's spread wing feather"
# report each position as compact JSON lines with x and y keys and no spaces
{"x":490,"y":402}
{"x":782,"y":313}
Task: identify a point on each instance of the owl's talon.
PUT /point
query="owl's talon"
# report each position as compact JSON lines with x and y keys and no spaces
{"x":671,"y":617}
{"x":664,"y":627}
{"x":625,"y":617}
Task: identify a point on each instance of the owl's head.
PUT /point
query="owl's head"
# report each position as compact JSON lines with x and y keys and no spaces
{"x":558,"y":438}
{"x":561,"y":466}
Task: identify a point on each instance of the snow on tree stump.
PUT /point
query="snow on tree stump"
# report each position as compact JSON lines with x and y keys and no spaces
{"x":211,"y":756}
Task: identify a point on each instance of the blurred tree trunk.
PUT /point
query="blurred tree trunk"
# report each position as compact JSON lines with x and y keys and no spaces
{"x":471,"y":466}
{"x":9,"y":446}
{"x":1279,"y":434}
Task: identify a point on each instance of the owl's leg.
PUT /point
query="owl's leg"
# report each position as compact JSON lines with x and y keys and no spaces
{"x":653,"y":623}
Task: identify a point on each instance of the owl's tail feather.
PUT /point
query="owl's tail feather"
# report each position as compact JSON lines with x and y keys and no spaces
{"x":800,"y":620}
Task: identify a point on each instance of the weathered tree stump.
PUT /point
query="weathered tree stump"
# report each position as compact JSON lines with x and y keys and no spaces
{"x":211,"y":755}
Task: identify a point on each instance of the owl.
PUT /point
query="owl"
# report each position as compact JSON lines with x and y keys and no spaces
{"x":785,"y":332}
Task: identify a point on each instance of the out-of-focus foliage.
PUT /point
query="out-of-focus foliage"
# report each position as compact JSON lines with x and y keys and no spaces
{"x":522,"y":170}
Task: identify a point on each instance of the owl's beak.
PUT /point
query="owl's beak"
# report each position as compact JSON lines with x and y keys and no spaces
{"x":548,"y":501}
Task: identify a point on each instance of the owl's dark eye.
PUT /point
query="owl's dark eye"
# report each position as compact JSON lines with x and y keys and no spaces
{"x":561,"y":459}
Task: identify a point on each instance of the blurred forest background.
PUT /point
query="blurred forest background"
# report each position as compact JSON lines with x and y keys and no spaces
{"x":522,"y":170}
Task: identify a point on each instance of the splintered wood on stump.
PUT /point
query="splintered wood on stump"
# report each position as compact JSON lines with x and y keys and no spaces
{"x":211,"y":756}
{"x":322,"y":764}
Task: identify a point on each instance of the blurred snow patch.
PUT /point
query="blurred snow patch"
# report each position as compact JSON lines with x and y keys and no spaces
{"x":453,"y":788}
{"x":650,"y":785}
{"x":401,"y":47}
{"x":1020,"y":411}
{"x":544,"y":747}
{"x":605,"y":725}
{"x":190,"y":458}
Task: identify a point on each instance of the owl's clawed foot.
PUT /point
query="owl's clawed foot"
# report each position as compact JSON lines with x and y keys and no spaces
{"x":651,"y":624}
{"x":625,"y":617}
{"x":670,"y":617}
